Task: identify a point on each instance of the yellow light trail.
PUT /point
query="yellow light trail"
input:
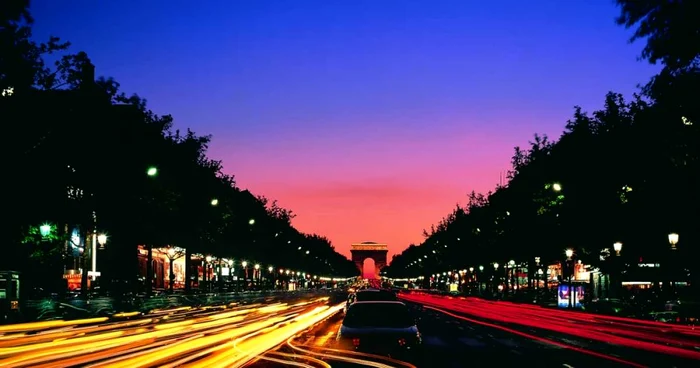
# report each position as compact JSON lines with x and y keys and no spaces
{"x":228,"y":336}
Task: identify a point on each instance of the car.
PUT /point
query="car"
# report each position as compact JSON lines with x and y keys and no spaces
{"x":370,"y":295}
{"x":379,"y":327}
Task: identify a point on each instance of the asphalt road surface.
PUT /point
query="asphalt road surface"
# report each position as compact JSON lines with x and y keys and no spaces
{"x":451,"y":342}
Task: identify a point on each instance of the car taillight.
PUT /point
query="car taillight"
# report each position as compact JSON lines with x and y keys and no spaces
{"x":356,"y":342}
{"x":402,"y":341}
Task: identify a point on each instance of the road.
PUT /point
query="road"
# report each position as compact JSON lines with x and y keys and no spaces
{"x":451,"y":340}
{"x":457,"y":332}
{"x":222,"y":336}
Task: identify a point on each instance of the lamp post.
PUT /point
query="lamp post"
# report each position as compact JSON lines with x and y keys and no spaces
{"x":271,"y":276}
{"x":497,"y":280}
{"x":207,"y":279}
{"x":511,"y":266}
{"x":244,"y":264}
{"x":672,"y":240}
{"x":257,"y":271}
{"x":569,"y":255}
{"x":617,"y":247}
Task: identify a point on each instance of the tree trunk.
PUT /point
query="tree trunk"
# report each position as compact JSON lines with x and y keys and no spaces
{"x":149,"y":270}
{"x":188,"y":271}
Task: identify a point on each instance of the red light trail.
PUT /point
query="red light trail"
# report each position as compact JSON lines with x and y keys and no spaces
{"x":676,"y":340}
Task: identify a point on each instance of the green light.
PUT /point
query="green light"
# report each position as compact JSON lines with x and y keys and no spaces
{"x":45,"y":229}
{"x":152,"y":171}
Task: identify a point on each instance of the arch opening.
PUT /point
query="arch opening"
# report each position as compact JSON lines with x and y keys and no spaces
{"x":369,"y":269}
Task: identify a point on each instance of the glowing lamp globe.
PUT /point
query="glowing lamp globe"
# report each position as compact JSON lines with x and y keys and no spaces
{"x":617,"y":247}
{"x":45,"y":230}
{"x":673,"y":239}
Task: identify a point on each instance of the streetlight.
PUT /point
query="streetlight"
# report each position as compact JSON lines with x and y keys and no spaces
{"x":208,"y":259}
{"x":244,"y":264}
{"x":152,"y":171}
{"x":269,"y":269}
{"x":45,"y":230}
{"x":214,"y":202}
{"x":481,"y":268}
{"x":251,"y":222}
{"x":556,"y":187}
{"x":569,"y":253}
{"x":102,"y":240}
{"x":572,"y":293}
{"x":495,"y":265}
{"x":617,"y":247}
{"x":673,"y":240}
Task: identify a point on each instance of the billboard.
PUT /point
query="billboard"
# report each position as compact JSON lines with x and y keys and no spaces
{"x":564,"y":294}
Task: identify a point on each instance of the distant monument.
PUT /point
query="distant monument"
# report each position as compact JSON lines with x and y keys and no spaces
{"x":376,"y":251}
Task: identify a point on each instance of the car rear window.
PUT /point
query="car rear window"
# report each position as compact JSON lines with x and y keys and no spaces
{"x":375,"y":296}
{"x":387,"y":315}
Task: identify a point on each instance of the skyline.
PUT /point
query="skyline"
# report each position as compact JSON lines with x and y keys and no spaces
{"x":356,"y":104}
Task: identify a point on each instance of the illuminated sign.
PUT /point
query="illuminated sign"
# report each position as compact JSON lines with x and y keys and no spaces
{"x":564,"y":294}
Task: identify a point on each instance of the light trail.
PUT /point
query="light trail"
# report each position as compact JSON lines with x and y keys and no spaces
{"x":228,"y":336}
{"x":675,"y":340}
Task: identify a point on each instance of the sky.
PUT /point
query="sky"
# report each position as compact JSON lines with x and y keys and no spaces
{"x":370,"y":119}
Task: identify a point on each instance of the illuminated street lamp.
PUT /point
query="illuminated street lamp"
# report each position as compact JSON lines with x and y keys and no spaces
{"x":269,"y":269}
{"x":569,"y":253}
{"x":481,"y":268}
{"x":244,"y":264}
{"x":471,"y":269}
{"x":495,"y":265}
{"x":511,"y":263}
{"x":214,"y":202}
{"x":673,"y":240}
{"x":251,"y":222}
{"x":152,"y":171}
{"x":102,"y":240}
{"x":556,"y":187}
{"x":257,"y":266}
{"x":45,"y":230}
{"x":208,"y":259}
{"x":617,"y":247}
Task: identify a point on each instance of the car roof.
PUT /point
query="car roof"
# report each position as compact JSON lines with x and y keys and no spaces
{"x":373,"y":291}
{"x":379,"y":302}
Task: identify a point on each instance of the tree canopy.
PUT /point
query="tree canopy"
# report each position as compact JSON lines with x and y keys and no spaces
{"x":81,"y":153}
{"x":628,"y":172}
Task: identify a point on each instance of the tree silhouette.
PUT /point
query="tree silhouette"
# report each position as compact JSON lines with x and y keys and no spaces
{"x":87,"y":156}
